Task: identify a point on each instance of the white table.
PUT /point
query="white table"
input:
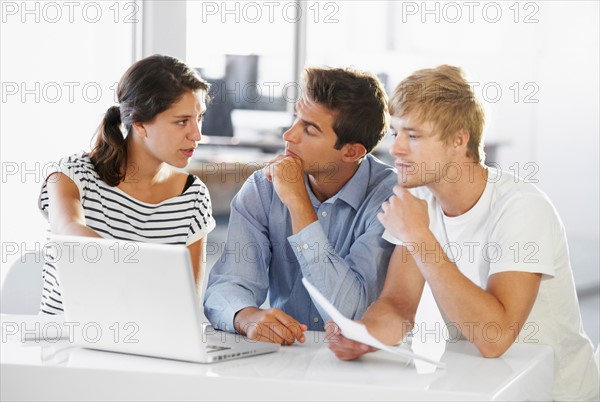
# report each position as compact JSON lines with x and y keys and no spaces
{"x":60,"y":371}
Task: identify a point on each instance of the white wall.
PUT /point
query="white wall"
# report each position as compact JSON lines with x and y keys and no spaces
{"x":566,"y":129}
{"x":59,"y":64}
{"x":558,"y":53}
{"x":164,"y":28}
{"x":550,"y":48}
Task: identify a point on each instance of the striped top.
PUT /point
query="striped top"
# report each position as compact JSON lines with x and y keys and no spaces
{"x":113,"y":214}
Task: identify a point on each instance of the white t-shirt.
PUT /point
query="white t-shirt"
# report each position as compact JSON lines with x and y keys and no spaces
{"x":514,"y":227}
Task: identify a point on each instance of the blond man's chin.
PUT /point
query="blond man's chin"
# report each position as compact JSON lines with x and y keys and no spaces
{"x":409,"y":182}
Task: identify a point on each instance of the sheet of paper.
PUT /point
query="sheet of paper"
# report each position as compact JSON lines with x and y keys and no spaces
{"x":425,"y":342}
{"x":356,"y":331}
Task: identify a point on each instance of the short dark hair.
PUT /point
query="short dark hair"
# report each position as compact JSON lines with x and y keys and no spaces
{"x":357,"y":97}
{"x":148,"y":87}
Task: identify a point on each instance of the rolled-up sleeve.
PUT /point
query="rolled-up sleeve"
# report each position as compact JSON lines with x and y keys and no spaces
{"x":350,"y":283}
{"x":240,"y":277}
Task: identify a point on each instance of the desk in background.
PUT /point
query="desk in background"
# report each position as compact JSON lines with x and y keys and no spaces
{"x":60,"y":371}
{"x":224,"y":169}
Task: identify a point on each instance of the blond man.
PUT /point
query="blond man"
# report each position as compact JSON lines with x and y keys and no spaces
{"x":490,"y":246}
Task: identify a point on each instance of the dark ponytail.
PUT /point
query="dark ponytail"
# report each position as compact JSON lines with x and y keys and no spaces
{"x":110,"y":152}
{"x":147,"y":88}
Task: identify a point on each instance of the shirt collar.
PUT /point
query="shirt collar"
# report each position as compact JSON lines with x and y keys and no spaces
{"x":354,"y":191}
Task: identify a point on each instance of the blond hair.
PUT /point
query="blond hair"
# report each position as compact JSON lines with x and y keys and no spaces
{"x":443,"y":97}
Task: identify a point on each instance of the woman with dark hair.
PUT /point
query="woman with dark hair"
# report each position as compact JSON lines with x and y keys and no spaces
{"x":126,"y":187}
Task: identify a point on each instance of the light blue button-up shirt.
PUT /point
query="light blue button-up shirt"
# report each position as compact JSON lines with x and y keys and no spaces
{"x":342,"y":254}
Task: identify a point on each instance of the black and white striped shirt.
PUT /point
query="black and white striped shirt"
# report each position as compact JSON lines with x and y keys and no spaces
{"x":113,"y":214}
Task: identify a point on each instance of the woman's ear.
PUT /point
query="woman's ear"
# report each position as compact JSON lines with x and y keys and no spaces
{"x":353,"y":152}
{"x":139,"y":129}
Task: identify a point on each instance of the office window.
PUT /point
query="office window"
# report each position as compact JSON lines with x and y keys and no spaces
{"x":392,"y":39}
{"x":60,"y":63}
{"x":246,"y":51}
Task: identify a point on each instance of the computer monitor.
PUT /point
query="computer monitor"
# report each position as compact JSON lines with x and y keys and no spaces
{"x":241,"y":81}
{"x":217,"y":120}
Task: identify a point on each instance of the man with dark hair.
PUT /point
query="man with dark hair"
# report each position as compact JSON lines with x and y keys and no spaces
{"x":311,"y":212}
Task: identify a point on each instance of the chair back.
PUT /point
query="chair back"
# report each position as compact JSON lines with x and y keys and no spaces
{"x":22,"y":286}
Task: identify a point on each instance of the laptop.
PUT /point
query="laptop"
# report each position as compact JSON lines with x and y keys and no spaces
{"x":139,"y":298}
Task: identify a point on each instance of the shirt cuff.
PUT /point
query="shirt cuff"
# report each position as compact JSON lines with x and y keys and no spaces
{"x":202,"y":233}
{"x":391,"y":238}
{"x":222,"y":318}
{"x":308,"y":244}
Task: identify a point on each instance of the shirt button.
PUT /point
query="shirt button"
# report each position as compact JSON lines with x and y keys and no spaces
{"x":305,"y":246}
{"x":324,"y":213}
{"x":298,"y":248}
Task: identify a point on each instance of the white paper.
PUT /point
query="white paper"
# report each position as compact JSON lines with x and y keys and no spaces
{"x":357,"y":331}
{"x":429,"y":318}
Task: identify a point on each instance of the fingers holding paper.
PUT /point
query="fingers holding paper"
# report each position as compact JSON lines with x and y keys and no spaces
{"x":344,"y":348}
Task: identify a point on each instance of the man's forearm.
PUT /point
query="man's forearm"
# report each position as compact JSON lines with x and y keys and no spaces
{"x":385,"y":321}
{"x":460,"y":298}
{"x":351,"y":281}
{"x":473,"y":308}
